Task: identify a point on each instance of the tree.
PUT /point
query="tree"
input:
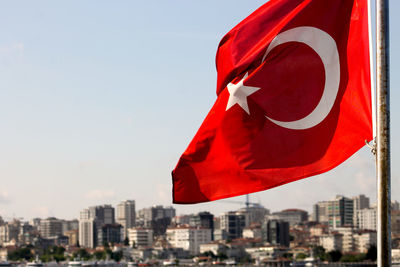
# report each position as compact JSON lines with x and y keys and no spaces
{"x":126,"y":241}
{"x":25,"y":253}
{"x":117,"y":256}
{"x":46,"y":258}
{"x":82,"y":254}
{"x":334,"y":255}
{"x":288,"y":255}
{"x":371,"y":253}
{"x":245,"y":259}
{"x":319,"y":252}
{"x":58,"y":250}
{"x":209,"y":254}
{"x":58,"y":257}
{"x":222,"y":256}
{"x":352,"y":257}
{"x":301,"y":256}
{"x":100,"y":255}
{"x":54,"y":253}
{"x":20,"y":254}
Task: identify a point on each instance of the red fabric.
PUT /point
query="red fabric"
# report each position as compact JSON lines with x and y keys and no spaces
{"x":236,"y":153}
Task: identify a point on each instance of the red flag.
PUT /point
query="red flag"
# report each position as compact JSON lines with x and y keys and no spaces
{"x":293,"y":100}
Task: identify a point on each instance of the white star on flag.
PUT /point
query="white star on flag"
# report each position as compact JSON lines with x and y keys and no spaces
{"x":238,"y":94}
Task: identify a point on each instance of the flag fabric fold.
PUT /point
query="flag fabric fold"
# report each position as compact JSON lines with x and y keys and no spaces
{"x":294,"y":100}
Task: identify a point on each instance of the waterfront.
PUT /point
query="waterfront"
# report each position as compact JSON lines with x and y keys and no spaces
{"x":190,"y":262}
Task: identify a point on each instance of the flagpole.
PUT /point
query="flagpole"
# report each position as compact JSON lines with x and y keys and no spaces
{"x":383,"y":133}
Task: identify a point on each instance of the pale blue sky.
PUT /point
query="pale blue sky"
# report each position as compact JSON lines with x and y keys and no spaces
{"x":99,"y":99}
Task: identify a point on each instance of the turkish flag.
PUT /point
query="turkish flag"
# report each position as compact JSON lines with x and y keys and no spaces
{"x":294,"y":100}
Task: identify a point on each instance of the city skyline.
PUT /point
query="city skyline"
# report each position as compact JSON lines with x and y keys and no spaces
{"x":97,"y":109}
{"x":343,"y":225}
{"x":309,"y":210}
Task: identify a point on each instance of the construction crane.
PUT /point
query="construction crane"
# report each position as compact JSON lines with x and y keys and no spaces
{"x":247,"y":203}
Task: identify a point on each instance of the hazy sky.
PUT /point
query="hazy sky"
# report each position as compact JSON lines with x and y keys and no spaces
{"x":98,"y":100}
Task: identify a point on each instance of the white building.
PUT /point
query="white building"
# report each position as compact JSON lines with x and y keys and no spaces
{"x":252,"y":232}
{"x":319,"y":229}
{"x":395,"y":254}
{"x":347,"y":239}
{"x":364,"y":240}
{"x":140,"y":237}
{"x":86,"y":229}
{"x":220,"y":234}
{"x":366,"y":219}
{"x":331,"y":242}
{"x":214,"y":247}
{"x":265,"y":253}
{"x":348,"y":242}
{"x":126,"y":216}
{"x":3,"y":254}
{"x":189,"y":238}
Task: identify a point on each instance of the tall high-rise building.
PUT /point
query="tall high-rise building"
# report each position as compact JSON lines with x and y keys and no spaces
{"x":204,"y":220}
{"x":126,"y":216}
{"x":90,"y":221}
{"x":86,"y":229}
{"x":360,"y":202}
{"x":50,"y":227}
{"x":233,"y":223}
{"x":366,"y":219}
{"x":275,"y":232}
{"x":9,"y":232}
{"x":255,"y":213}
{"x":157,"y":218}
{"x":104,"y":214}
{"x":336,"y":213}
{"x":109,"y":233}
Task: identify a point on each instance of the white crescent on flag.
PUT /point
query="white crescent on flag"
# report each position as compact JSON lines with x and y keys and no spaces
{"x":325,"y":46}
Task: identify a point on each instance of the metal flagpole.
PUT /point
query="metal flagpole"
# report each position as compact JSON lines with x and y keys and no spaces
{"x":383,"y":133}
